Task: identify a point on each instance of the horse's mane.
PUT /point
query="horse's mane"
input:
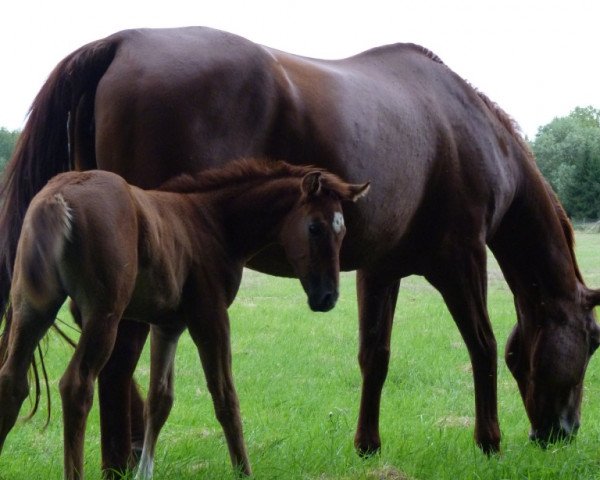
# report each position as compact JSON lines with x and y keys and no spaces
{"x":566,"y":226}
{"x":509,"y":123}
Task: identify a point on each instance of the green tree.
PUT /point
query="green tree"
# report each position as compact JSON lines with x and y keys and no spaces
{"x":568,"y":154}
{"x":8,"y":140}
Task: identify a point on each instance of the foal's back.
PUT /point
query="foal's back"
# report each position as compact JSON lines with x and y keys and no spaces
{"x":79,"y":235}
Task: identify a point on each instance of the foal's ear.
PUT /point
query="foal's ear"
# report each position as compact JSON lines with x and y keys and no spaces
{"x":311,"y":184}
{"x":358,"y":191}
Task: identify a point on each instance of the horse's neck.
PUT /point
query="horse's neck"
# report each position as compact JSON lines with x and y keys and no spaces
{"x":533,"y":247}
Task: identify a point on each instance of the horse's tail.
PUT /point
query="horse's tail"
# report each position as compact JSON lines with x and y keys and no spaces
{"x":45,"y":148}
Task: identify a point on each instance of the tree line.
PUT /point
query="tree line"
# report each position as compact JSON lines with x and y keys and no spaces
{"x":567,"y":151}
{"x":568,"y":154}
{"x":8,"y":140}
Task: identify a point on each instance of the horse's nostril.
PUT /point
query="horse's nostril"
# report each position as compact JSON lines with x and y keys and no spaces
{"x":327,"y":299}
{"x":323,"y":302}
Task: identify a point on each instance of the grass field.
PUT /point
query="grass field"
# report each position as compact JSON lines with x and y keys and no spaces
{"x":299,"y":385}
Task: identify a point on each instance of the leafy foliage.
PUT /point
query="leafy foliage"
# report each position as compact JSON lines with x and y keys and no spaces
{"x":568,"y":154}
{"x":8,"y":140}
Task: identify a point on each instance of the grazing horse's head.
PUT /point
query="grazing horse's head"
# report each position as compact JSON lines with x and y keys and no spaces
{"x":312,"y":235}
{"x":549,"y":362}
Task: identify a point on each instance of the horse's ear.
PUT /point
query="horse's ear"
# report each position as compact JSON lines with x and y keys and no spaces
{"x":358,"y":191}
{"x":592,"y":298}
{"x":311,"y":184}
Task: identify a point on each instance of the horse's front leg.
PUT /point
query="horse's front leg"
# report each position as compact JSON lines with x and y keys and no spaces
{"x":210,"y":332}
{"x":460,"y":276}
{"x":160,"y":394}
{"x":376,"y":305}
{"x":121,"y":406}
{"x":77,"y":384}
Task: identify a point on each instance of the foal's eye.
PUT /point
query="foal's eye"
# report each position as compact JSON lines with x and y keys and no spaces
{"x":315,"y":229}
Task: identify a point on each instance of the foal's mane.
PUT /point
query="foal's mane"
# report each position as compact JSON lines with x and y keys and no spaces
{"x":244,"y":171}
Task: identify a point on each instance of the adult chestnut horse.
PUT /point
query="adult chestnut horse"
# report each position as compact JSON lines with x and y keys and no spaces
{"x":449,"y":172}
{"x":173,"y":258}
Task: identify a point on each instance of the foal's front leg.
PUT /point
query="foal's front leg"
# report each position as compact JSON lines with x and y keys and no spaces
{"x":160,"y":394}
{"x":210,"y":332}
{"x":77,"y":385}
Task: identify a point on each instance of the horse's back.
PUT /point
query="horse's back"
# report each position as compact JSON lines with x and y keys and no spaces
{"x":186,"y":99}
{"x":174,"y":100}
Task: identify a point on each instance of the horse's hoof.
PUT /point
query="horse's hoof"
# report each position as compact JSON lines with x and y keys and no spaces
{"x":490,"y":447}
{"x":136,"y":452}
{"x":367,"y":449}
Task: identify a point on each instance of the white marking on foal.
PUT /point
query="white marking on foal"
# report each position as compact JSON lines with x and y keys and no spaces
{"x":67,"y":215}
{"x":338,"y":222}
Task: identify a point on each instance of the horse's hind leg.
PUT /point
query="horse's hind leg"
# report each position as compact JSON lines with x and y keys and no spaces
{"x":77,"y":384}
{"x":377,"y":302}
{"x":27,"y":329}
{"x":460,"y":276}
{"x":160,"y":394}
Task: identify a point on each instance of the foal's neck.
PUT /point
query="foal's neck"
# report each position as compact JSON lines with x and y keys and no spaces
{"x":250,"y":214}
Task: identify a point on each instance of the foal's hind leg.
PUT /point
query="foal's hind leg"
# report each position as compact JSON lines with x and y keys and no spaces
{"x":160,"y":394}
{"x":460,"y":276}
{"x":27,"y":329}
{"x":121,"y":405}
{"x":77,"y":384}
{"x":377,"y":302}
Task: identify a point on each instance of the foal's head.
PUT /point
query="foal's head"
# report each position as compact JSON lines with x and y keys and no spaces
{"x":312,"y":234}
{"x":549,"y":362}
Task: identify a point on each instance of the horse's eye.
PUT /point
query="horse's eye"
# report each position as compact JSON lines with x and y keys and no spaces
{"x":315,"y":229}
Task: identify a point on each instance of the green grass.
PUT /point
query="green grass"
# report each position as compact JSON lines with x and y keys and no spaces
{"x":299,"y":386}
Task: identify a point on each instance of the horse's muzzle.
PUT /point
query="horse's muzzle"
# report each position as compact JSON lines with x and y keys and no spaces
{"x":558,"y":433}
{"x":322,"y":301}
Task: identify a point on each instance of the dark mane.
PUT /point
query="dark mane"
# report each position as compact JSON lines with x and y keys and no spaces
{"x":566,"y":225}
{"x":425,"y":51}
{"x":393,"y":47}
{"x":509,"y":123}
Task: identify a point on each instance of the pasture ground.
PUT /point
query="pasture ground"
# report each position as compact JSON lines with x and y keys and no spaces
{"x":299,"y":386}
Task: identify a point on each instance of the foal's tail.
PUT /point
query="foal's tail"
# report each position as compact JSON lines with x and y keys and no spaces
{"x":47,"y":226}
{"x":44,"y":149}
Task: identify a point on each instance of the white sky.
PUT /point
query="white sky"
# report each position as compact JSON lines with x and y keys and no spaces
{"x":536,"y":59}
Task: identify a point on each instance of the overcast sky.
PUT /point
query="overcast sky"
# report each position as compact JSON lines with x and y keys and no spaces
{"x":536,"y":59}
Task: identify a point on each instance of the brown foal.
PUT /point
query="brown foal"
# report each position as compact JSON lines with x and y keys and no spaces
{"x":173,"y":258}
